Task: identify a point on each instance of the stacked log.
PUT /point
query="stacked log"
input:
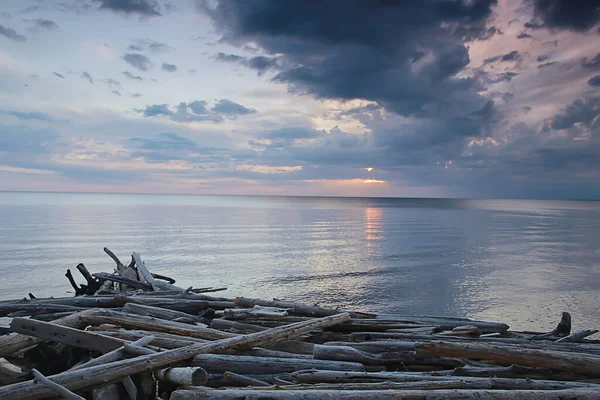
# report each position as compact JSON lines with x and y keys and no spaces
{"x":134,"y":334}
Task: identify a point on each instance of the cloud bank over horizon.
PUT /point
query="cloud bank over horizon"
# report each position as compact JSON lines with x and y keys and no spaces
{"x":433,"y":98}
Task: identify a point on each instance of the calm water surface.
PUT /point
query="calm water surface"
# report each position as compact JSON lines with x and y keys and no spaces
{"x":517,"y":261}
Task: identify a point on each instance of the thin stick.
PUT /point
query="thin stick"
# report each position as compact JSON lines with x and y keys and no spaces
{"x":56,"y":388}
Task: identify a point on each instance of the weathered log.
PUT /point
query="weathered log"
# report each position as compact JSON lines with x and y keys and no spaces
{"x":235,"y":326}
{"x":242,"y":380}
{"x":194,"y":376}
{"x":579,"y":363}
{"x":158,"y":312}
{"x":64,"y":334}
{"x":134,"y":321}
{"x":255,"y":312}
{"x":79,"y":290}
{"x":30,"y":308}
{"x":296,"y":308}
{"x":108,"y":392}
{"x":578,"y":336}
{"x":114,"y":355}
{"x":121,"y":279}
{"x":258,"y":352}
{"x":103,"y":374}
{"x":377,"y":346}
{"x":318,"y":377}
{"x":59,"y":390}
{"x":93,"y":284}
{"x":14,"y":342}
{"x":268,"y":365}
{"x":447,"y":394}
{"x":161,"y":339}
{"x":562,"y":329}
{"x":10,"y":373}
{"x":156,"y":285}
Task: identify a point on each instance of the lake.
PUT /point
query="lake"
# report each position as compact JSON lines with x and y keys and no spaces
{"x":522,"y":262}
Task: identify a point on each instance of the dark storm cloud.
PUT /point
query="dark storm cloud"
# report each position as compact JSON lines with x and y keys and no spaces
{"x":59,"y":75}
{"x":138,"y":61}
{"x":230,"y":108}
{"x":169,"y":67}
{"x":361,"y":49}
{"x":12,"y":34}
{"x":144,"y":8}
{"x":129,"y":75}
{"x":87,"y":77}
{"x":578,"y":15}
{"x":594,"y":81}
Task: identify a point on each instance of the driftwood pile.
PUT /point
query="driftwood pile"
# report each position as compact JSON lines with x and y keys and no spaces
{"x":133,"y":334}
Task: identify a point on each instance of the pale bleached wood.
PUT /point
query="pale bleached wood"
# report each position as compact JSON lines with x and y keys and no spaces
{"x":134,"y":321}
{"x":156,"y":284}
{"x":242,"y":380}
{"x":268,"y":365}
{"x":14,"y":342}
{"x":64,"y":334}
{"x":578,"y":363}
{"x":158,"y":312}
{"x":103,"y":374}
{"x":578,"y":336}
{"x":59,"y":390}
{"x":193,"y":376}
{"x":114,"y":355}
{"x":296,"y":308}
{"x":235,"y":326}
{"x":447,"y":394}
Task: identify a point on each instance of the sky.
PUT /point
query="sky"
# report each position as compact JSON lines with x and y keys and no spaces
{"x":421,"y":98}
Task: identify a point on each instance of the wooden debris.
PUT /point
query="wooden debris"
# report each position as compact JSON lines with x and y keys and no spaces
{"x":133,"y":334}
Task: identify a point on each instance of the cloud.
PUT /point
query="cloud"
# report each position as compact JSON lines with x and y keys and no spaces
{"x":524,"y":35}
{"x":112,"y":82}
{"x":594,"y":63}
{"x":12,"y":34}
{"x":144,"y":8}
{"x":168,"y":146}
{"x":138,"y":61}
{"x":137,"y":94}
{"x":192,"y":71}
{"x":45,"y":24}
{"x":129,"y":75}
{"x":30,"y":9}
{"x":59,"y":75}
{"x":594,"y":81}
{"x":197,"y":110}
{"x":582,"y":111}
{"x":23,"y":139}
{"x":228,"y":107}
{"x":169,"y":67}
{"x":232,"y":58}
{"x":512,"y":56}
{"x":150,"y":45}
{"x":404,"y":56}
{"x":28,"y":116}
{"x":566,"y":14}
{"x":87,"y":77}
{"x":116,"y":93}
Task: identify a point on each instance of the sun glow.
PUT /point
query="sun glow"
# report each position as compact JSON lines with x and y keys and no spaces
{"x":369,"y":169}
{"x":373,"y":181}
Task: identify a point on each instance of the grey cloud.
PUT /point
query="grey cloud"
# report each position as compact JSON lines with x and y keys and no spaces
{"x":594,"y":63}
{"x":150,"y":45}
{"x":544,"y":65}
{"x":512,"y":56}
{"x":59,"y":75}
{"x":594,"y":81}
{"x":169,"y":67}
{"x":232,"y":58}
{"x":116,"y":93}
{"x":30,"y":9}
{"x":542,"y":57}
{"x":129,"y":75}
{"x":524,"y":35}
{"x":138,"y":61}
{"x":45,"y":24}
{"x":262,"y":63}
{"x":170,"y":146}
{"x":23,"y":139}
{"x":136,"y":94}
{"x":87,"y":77}
{"x":112,"y":82}
{"x":12,"y":34}
{"x":192,"y":71}
{"x":144,"y":8}
{"x":29,"y":115}
{"x":580,"y":111}
{"x":228,"y":107}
